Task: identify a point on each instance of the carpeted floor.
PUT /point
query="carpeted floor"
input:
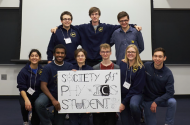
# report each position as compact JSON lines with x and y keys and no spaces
{"x":10,"y":113}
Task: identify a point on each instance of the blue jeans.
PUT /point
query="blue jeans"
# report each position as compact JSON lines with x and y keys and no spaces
{"x":79,"y":119}
{"x":150,"y":117}
{"x":131,"y":115}
{"x":41,"y":104}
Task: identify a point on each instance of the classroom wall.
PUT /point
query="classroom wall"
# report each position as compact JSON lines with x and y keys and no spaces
{"x":8,"y":87}
{"x":9,"y":3}
{"x":181,"y":73}
{"x":172,"y":4}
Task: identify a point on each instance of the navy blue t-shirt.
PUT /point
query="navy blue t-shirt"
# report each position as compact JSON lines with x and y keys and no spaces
{"x":49,"y":75}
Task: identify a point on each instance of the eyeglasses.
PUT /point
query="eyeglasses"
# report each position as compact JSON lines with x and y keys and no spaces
{"x":131,"y":52}
{"x":65,"y":19}
{"x":122,"y":21}
{"x":105,"y":52}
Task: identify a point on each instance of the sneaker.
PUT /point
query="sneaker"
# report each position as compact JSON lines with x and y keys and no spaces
{"x":30,"y":116}
{"x":67,"y":117}
{"x":25,"y":123}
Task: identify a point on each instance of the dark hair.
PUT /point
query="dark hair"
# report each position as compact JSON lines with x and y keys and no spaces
{"x":34,"y":50}
{"x":66,"y":13}
{"x":59,"y":46}
{"x":94,"y":9}
{"x":80,"y":50}
{"x":122,"y":14}
{"x":160,"y":49}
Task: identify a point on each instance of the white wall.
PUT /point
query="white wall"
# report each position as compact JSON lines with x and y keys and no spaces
{"x":181,"y":79}
{"x":172,"y":4}
{"x":8,"y":87}
{"x":9,"y":3}
{"x":181,"y":73}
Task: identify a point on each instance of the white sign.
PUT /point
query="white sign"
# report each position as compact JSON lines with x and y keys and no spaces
{"x":89,"y":91}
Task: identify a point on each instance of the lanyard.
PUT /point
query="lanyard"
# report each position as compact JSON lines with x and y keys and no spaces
{"x":130,"y":74}
{"x":64,"y":35}
{"x":31,"y":78}
{"x":80,"y":68}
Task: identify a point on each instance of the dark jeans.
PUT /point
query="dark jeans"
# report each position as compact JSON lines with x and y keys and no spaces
{"x":150,"y":117}
{"x":41,"y":103}
{"x":102,"y":118}
{"x":79,"y":119}
{"x":131,"y":115}
{"x":35,"y":119}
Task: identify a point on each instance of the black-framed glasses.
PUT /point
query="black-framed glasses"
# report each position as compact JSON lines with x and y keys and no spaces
{"x":65,"y":19}
{"x":122,"y":21}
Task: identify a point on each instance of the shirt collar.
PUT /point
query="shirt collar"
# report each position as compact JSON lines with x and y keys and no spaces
{"x":91,"y":22}
{"x":129,"y":30}
{"x":61,"y":27}
{"x":159,"y":70}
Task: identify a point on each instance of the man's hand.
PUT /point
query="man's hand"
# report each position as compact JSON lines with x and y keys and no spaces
{"x":49,"y":62}
{"x":53,"y":30}
{"x":28,"y":105}
{"x":139,"y":28}
{"x":153,"y":107}
{"x":121,"y":107}
{"x":56,"y":104}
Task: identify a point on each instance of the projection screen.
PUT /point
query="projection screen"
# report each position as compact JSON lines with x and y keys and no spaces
{"x":39,"y":16}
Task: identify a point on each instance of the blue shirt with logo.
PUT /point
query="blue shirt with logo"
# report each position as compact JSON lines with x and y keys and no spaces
{"x":122,"y":40}
{"x":27,"y":78}
{"x":91,"y":39}
{"x":58,"y":38}
{"x":49,"y":75}
{"x":136,"y":77}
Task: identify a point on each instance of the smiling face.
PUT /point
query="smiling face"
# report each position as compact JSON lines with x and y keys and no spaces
{"x":59,"y":55}
{"x":131,"y":54}
{"x":158,"y":58}
{"x":66,"y":21}
{"x":34,"y":58}
{"x":124,"y":22}
{"x":81,"y":58}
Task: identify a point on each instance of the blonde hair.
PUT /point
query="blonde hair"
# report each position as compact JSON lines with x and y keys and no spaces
{"x":138,"y":61}
{"x":105,"y":46}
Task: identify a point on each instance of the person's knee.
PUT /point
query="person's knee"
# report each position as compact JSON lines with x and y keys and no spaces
{"x":38,"y":103}
{"x":134,"y":106}
{"x":172,"y":102}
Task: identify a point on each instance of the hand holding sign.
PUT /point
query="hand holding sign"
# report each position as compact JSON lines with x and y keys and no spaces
{"x":56,"y":104}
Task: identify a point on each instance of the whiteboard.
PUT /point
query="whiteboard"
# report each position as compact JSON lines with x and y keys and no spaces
{"x":89,"y":91}
{"x":39,"y":16}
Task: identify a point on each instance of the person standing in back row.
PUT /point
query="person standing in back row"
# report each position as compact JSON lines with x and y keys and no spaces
{"x":94,"y":34}
{"x":125,"y":36}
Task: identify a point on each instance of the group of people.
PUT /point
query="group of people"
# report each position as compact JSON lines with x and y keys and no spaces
{"x":143,"y":86}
